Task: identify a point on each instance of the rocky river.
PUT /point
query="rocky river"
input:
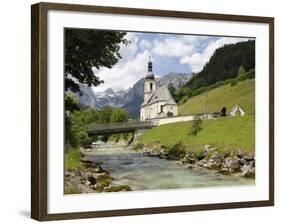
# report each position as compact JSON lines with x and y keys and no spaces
{"x":126,"y":169}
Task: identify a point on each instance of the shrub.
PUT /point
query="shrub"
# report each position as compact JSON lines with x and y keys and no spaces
{"x":119,"y":115}
{"x":177,"y":150}
{"x":247,"y":75}
{"x":182,"y":100}
{"x":196,"y":126}
{"x":241,"y":77}
{"x":217,"y":84}
{"x":183,"y":92}
{"x":71,"y":102}
{"x":250,"y":74}
{"x":227,"y":81}
{"x":72,"y":159}
{"x":241,"y":70}
{"x":79,"y":136}
{"x":89,"y":116}
{"x":233,"y":82}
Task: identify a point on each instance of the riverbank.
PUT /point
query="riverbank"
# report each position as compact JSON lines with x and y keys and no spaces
{"x":232,"y":162}
{"x":225,"y":144}
{"x":83,"y":176}
{"x":142,"y":172}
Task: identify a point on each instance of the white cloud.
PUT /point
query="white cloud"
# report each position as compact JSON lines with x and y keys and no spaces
{"x":133,"y":64}
{"x":172,"y":47}
{"x":127,"y":71}
{"x":198,"y":60}
{"x":129,"y":51}
{"x":145,"y":44}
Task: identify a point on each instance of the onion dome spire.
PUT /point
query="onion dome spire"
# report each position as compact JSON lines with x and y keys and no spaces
{"x":149,"y":74}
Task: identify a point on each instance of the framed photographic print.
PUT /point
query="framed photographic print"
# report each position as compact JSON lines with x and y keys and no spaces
{"x":138,"y":111}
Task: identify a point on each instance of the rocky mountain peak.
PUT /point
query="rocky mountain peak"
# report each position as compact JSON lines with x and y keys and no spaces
{"x":132,"y":98}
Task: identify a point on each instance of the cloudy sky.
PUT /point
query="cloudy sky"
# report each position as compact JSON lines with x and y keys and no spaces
{"x":169,"y":52}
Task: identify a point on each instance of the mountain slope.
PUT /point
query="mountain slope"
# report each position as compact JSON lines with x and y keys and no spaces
{"x":86,"y":96}
{"x":224,"y":64}
{"x":225,"y":96}
{"x":111,"y":98}
{"x":133,"y":97}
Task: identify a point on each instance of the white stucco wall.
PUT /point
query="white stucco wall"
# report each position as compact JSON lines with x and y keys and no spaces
{"x":147,"y":89}
{"x":154,"y":110}
{"x":168,"y":120}
{"x":171,"y":108}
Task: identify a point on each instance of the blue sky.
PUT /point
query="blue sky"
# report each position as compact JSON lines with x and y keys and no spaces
{"x":163,"y":64}
{"x":169,"y":52}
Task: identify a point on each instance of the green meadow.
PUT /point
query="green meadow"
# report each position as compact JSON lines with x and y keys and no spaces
{"x":243,"y":93}
{"x":226,"y":134}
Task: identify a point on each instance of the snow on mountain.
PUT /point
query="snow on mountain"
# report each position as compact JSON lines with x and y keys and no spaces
{"x":109,"y":97}
{"x":133,"y":97}
{"x":86,"y":97}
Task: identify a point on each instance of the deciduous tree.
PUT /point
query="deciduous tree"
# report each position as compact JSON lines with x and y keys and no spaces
{"x":87,"y":49}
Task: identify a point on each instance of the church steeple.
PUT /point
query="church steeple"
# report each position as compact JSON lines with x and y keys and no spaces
{"x":149,"y":74}
{"x":149,"y":83}
{"x":150,"y":64}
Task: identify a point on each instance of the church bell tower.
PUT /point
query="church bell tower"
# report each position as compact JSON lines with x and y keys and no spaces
{"x":149,"y":83}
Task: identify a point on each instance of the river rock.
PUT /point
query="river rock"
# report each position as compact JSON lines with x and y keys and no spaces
{"x":207,"y":149}
{"x":242,"y":161}
{"x":189,"y":157}
{"x":224,"y":170}
{"x":239,"y":154}
{"x":213,"y":164}
{"x":252,"y":163}
{"x":92,"y":179}
{"x":163,"y":154}
{"x":101,"y":176}
{"x":153,"y":154}
{"x":249,"y":158}
{"x":234,"y":165}
{"x":248,"y":171}
{"x":87,"y":183}
{"x":98,"y":187}
{"x":201,"y":162}
{"x":88,"y":164}
{"x":217,"y":157}
{"x":117,"y":188}
{"x":68,"y":174}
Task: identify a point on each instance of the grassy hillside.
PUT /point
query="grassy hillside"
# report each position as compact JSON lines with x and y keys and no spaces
{"x":229,"y":133}
{"x":243,"y":94}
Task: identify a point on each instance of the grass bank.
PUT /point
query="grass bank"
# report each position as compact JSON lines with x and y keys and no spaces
{"x":226,"y":134}
{"x":72,"y":158}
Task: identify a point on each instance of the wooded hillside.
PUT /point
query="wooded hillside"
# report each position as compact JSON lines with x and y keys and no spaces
{"x":224,"y":64}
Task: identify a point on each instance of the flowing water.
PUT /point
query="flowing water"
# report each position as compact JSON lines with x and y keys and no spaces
{"x":150,"y":173}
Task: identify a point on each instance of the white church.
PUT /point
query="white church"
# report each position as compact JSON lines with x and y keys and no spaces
{"x":158,"y":102}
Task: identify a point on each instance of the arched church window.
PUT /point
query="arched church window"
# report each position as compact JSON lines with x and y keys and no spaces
{"x":151,"y":86}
